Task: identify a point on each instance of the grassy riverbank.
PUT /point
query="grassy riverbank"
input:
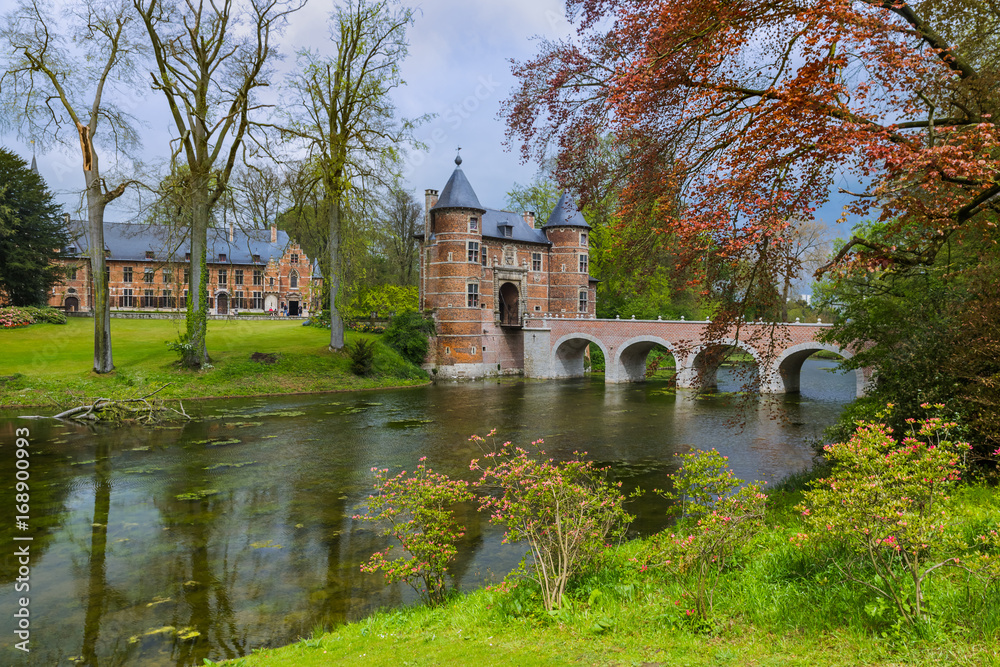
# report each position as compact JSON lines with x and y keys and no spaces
{"x":50,"y":365}
{"x":778,"y":605}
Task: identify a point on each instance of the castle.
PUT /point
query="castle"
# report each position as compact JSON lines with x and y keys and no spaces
{"x":483,"y":272}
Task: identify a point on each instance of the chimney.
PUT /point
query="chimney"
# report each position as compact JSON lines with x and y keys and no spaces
{"x":430,"y":200}
{"x":529,"y":217}
{"x":231,"y":234}
{"x":274,"y":233}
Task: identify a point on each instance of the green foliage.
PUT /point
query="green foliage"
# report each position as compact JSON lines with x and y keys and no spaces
{"x":382,"y":300}
{"x":565,"y":511}
{"x":31,"y":234}
{"x":540,"y":196}
{"x":597,"y":361}
{"x":407,"y":333}
{"x":362,"y":355}
{"x":930,"y":333}
{"x":717,"y":525}
{"x":417,"y":510}
{"x":886,"y":502}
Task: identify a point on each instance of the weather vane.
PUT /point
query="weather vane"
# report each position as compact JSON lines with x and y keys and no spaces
{"x":458,"y":156}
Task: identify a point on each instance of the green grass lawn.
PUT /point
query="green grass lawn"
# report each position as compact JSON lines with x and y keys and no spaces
{"x":780,"y":605}
{"x":50,"y":364}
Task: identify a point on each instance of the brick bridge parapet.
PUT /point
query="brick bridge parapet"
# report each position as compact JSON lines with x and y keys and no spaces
{"x":554,"y":347}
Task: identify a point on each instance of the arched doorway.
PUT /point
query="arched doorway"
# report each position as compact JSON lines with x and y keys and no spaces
{"x":72,"y":304}
{"x":510,"y":307}
{"x":222,"y":304}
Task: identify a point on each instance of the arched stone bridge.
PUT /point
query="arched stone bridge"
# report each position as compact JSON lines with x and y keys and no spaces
{"x":554,"y":347}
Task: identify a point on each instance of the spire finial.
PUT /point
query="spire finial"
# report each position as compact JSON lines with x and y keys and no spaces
{"x":458,"y":157}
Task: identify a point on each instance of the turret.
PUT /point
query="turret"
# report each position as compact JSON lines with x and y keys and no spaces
{"x":569,"y":279}
{"x":453,"y":269}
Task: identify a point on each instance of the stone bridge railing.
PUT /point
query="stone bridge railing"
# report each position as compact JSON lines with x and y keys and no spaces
{"x":554,"y":347}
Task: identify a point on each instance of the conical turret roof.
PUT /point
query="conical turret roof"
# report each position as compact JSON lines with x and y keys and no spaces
{"x":458,"y":192}
{"x":566,"y":214}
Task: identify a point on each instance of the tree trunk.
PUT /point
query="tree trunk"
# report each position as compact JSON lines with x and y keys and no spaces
{"x":197,"y":305}
{"x":101,"y":299}
{"x":336,"y":321}
{"x":784,"y":300}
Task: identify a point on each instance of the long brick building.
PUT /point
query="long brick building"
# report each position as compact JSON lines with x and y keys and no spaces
{"x":259,"y":270}
{"x":484,"y":271}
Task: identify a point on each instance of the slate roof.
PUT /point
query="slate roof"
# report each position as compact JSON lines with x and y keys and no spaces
{"x":131,"y":242}
{"x":566,"y":214}
{"x":493,"y":220}
{"x":458,"y":192}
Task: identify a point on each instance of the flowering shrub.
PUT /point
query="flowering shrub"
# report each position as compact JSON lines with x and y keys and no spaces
{"x":565,"y":511}
{"x":720,"y":523}
{"x":12,"y":317}
{"x":886,"y":500}
{"x":417,"y":510}
{"x":703,"y":478}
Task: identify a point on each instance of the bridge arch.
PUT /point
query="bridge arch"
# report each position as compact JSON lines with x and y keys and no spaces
{"x":699,"y":370}
{"x":629,"y":363}
{"x":783,"y":375}
{"x":569,"y":351}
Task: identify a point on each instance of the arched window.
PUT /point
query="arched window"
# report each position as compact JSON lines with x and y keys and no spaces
{"x":293,"y":280}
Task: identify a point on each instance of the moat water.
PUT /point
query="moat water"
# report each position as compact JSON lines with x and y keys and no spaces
{"x":166,"y":546}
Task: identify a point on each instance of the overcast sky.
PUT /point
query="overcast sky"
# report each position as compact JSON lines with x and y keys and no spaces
{"x":458,"y":69}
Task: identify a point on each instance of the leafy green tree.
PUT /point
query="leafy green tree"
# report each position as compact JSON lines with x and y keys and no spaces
{"x":341,"y":108}
{"x":407,"y":333}
{"x":539,"y":196}
{"x":31,"y":233}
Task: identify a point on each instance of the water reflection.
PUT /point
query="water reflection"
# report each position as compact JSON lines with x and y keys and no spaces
{"x":167,"y":546}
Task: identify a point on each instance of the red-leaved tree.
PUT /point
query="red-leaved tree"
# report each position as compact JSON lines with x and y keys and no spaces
{"x":736,"y":119}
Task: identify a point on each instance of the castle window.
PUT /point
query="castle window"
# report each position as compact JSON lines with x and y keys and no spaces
{"x":238,"y":300}
{"x":148,"y":275}
{"x":294,"y":259}
{"x":508,"y":230}
{"x":168,"y":275}
{"x":536,"y":261}
{"x":583,"y":263}
{"x":293,"y":280}
{"x":258,"y":277}
{"x":127,"y":300}
{"x":127,"y":274}
{"x":71,"y":273}
{"x":484,"y":256}
{"x":258,"y":301}
{"x":583,"y":238}
{"x":148,"y":300}
{"x":583,"y":301}
{"x":238,"y":277}
{"x":149,"y":254}
{"x":473,"y":295}
{"x":223,"y":277}
{"x":474,"y":251}
{"x":71,"y":250}
{"x":107,"y":253}
{"x":270,"y":281}
{"x":473,"y":224}
{"x":256,"y":259}
{"x":187,"y":276}
{"x":222,"y":256}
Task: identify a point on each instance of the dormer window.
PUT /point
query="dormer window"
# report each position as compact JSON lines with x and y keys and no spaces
{"x":71,"y":250}
{"x":107,"y":253}
{"x":149,"y":254}
{"x":507,"y":230}
{"x":222,"y":256}
{"x":187,"y":257}
{"x":256,"y":259}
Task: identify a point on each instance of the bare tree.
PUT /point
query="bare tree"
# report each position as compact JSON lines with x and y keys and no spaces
{"x":210,"y":60}
{"x":399,"y":218}
{"x":343,"y":112}
{"x":806,"y":249}
{"x":58,"y":74}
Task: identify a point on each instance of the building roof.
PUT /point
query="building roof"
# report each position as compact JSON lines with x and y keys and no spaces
{"x":566,"y":214}
{"x":494,"y":221}
{"x":131,"y":242}
{"x":458,"y":192}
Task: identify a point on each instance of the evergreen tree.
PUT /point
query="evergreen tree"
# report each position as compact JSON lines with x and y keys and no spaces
{"x":31,"y":233}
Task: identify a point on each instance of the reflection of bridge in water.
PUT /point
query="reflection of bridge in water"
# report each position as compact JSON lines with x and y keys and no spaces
{"x":554,"y":347}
